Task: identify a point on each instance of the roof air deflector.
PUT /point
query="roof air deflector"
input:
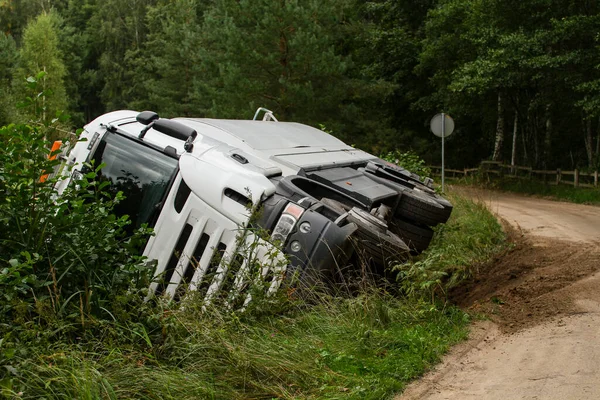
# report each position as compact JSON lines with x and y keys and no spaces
{"x":146,"y":117}
{"x":174,"y":129}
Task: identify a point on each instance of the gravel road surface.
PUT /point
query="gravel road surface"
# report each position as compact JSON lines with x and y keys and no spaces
{"x":543,"y":301}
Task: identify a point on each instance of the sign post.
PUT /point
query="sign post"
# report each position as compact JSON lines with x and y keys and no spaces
{"x":442,"y":125}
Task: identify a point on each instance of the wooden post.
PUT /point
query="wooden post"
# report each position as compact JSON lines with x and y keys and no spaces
{"x":576,"y":178}
{"x":545,"y":178}
{"x":557,"y":176}
{"x":596,"y":178}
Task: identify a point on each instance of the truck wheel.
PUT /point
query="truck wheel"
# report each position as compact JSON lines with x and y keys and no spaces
{"x":417,"y":203}
{"x":417,"y":237}
{"x":445,"y":203}
{"x":421,"y":208}
{"x":375,"y":240}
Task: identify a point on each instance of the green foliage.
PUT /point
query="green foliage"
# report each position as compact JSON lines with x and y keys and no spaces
{"x":540,"y":55}
{"x":40,"y":52}
{"x":118,"y":49}
{"x":291,"y":57}
{"x":409,"y":160}
{"x":374,"y":72}
{"x":173,"y":64}
{"x":80,"y":58}
{"x":280,"y":56}
{"x":562,"y":192}
{"x":471,"y":237}
{"x":366,"y":347}
{"x":62,"y":260}
{"x":8,"y":61}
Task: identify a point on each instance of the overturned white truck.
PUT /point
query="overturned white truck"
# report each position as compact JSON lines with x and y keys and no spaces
{"x":196,"y":181}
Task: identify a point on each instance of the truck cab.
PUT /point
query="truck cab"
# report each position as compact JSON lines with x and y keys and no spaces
{"x":234,"y":201}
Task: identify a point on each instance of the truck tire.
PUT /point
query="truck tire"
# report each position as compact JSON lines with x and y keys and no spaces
{"x":422,"y":208}
{"x":445,"y":203}
{"x":377,"y":243}
{"x":417,"y":237}
{"x":417,"y":202}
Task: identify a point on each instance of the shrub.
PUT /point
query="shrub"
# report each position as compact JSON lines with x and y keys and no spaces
{"x":409,"y":160}
{"x":61,"y":256}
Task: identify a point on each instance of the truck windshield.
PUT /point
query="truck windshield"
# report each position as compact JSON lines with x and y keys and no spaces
{"x":143,"y":175}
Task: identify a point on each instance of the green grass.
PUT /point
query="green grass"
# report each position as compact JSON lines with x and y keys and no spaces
{"x":365,"y":347}
{"x":561,"y":192}
{"x":471,"y":236}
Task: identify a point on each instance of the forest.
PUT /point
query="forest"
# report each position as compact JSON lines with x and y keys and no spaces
{"x":521,"y":78}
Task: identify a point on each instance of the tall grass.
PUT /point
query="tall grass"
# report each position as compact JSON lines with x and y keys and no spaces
{"x":368,"y":346}
{"x":472,"y":236}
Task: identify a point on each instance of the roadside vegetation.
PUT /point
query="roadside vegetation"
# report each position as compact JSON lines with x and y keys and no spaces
{"x":73,"y":323}
{"x":563,"y":192}
{"x":560,"y":192}
{"x":471,"y":237}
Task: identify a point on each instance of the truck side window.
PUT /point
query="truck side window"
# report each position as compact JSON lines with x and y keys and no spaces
{"x":143,"y":174}
{"x":183,"y":192}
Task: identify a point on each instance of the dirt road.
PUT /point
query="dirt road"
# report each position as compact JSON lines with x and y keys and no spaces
{"x":543,"y":299}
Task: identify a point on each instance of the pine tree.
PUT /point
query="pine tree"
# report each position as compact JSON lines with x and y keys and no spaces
{"x":81,"y":57}
{"x":40,"y":53}
{"x":287,"y":56}
{"x":117,"y":32}
{"x":8,"y":60}
{"x":171,"y":60}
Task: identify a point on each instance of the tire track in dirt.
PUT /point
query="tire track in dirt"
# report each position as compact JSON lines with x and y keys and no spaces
{"x":543,"y":302}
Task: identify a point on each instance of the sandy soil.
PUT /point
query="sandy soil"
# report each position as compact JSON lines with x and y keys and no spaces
{"x":542,"y":339}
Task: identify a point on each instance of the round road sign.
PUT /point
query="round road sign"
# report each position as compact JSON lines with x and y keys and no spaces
{"x":436,"y":125}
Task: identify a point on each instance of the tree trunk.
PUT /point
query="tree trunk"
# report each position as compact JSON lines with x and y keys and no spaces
{"x":525,"y":158}
{"x":588,"y":142}
{"x":499,"y":130}
{"x":547,"y":136}
{"x":598,"y":141}
{"x":535,"y":135}
{"x":514,"y":143}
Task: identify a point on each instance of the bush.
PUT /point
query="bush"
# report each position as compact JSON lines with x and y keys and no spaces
{"x":59,"y":257}
{"x":409,"y":160}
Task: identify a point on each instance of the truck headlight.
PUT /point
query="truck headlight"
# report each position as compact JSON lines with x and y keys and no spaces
{"x":287,"y":222}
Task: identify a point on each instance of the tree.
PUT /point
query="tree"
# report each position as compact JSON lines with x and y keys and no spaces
{"x":393,"y":31}
{"x":81,"y":57}
{"x":8,"y":61}
{"x":117,"y":32}
{"x":279,"y":55}
{"x":526,"y":58}
{"x":170,"y":61}
{"x":40,"y":53}
{"x":289,"y":56}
